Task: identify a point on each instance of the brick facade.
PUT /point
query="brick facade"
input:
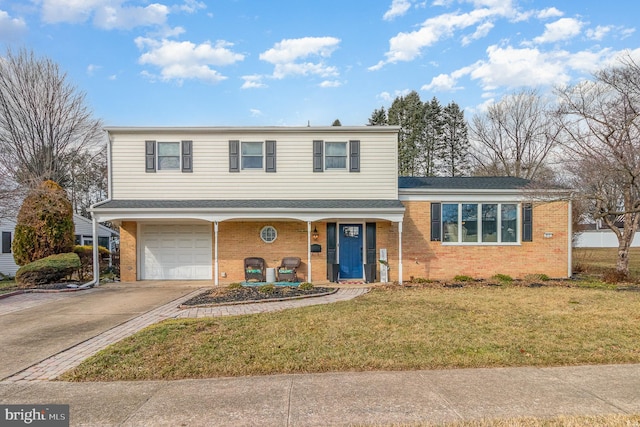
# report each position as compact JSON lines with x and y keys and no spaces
{"x":128,"y":251}
{"x":435,"y":260}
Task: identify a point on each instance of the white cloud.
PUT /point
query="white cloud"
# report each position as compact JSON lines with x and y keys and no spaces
{"x":599,"y":32}
{"x":191,"y":6}
{"x":550,"y":12}
{"x":106,"y":14}
{"x":481,"y":31}
{"x":441,"y":83}
{"x":406,"y":46}
{"x":253,"y":82}
{"x":397,"y":8}
{"x":255,"y":112}
{"x":11,"y":28}
{"x":562,"y":29}
{"x":331,"y":83}
{"x":186,"y":60}
{"x":287,"y":57}
{"x":91,"y":68}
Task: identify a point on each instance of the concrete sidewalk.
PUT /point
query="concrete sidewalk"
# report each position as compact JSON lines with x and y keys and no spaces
{"x":340,"y":399}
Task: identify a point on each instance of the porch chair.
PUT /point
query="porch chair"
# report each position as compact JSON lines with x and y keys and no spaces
{"x":254,"y":269}
{"x":287,"y":271}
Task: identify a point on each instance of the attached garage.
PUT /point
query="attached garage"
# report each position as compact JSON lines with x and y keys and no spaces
{"x":175,"y":251}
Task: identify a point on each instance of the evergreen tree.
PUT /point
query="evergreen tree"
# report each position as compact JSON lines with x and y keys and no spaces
{"x":453,"y":152}
{"x":408,"y":113}
{"x":432,"y":136}
{"x":378,"y":117}
{"x":336,"y":122}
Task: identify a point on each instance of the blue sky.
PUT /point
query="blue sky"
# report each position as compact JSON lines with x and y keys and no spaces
{"x":293,"y":62}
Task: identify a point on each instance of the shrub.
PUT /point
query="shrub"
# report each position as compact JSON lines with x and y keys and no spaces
{"x":86,"y":260}
{"x":539,"y":277}
{"x":306,"y":286}
{"x":235,"y":285}
{"x":462,"y":278}
{"x":48,"y":270}
{"x":44,"y":226}
{"x":267,"y":289}
{"x":503,"y":278}
{"x":421,"y":280}
{"x":611,"y":275}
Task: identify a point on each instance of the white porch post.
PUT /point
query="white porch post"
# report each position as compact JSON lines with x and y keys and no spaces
{"x":309,"y":251}
{"x":96,"y":254}
{"x":400,"y":252}
{"x":215,"y":252}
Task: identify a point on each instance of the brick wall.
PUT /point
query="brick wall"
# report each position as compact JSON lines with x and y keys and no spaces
{"x":434,"y":260}
{"x":128,"y":251}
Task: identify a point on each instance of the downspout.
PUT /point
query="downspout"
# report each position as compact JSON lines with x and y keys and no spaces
{"x":94,"y":223}
{"x":309,"y":251}
{"x":400,"y":252}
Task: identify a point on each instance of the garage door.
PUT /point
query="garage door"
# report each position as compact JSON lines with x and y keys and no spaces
{"x":176,"y":252}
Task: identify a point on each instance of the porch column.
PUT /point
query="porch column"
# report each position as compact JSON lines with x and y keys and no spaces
{"x":309,"y":251}
{"x":95,"y":252}
{"x":400,"y":252}
{"x":215,"y":251}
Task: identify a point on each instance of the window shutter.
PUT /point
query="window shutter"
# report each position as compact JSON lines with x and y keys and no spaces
{"x":371,"y":243}
{"x":527,"y":222}
{"x":317,"y":156}
{"x":150,"y":155}
{"x":354,"y":156}
{"x":234,"y":156}
{"x":331,"y":243}
{"x":6,"y":242}
{"x":436,"y":222}
{"x":271,"y":156}
{"x":187,"y":156}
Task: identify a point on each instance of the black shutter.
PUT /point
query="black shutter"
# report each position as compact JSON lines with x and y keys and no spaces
{"x":150,"y":154}
{"x":234,"y":156}
{"x":271,"y":156}
{"x":371,"y":243}
{"x":331,"y":243}
{"x":436,"y":222}
{"x":354,"y":156}
{"x":187,"y":156}
{"x":6,"y":242}
{"x":527,"y":222}
{"x":317,"y":156}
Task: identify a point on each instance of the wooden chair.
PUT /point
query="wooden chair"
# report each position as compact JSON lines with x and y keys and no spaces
{"x":254,"y":269}
{"x":287,"y":271}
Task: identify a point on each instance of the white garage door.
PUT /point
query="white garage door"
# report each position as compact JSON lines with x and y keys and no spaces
{"x":176,"y":252}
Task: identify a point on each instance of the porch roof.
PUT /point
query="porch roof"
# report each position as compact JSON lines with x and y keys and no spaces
{"x":223,"y":210}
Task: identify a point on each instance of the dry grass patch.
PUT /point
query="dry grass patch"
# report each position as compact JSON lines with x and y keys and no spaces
{"x":612,"y":420}
{"x":388,"y":329}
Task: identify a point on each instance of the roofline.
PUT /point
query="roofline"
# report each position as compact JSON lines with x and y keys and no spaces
{"x":250,"y":129}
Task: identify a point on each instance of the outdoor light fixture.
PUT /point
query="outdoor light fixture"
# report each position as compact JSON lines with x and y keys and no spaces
{"x":315,"y":233}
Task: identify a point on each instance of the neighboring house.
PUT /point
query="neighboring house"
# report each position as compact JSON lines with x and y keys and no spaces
{"x":107,"y":237}
{"x":193,"y":203}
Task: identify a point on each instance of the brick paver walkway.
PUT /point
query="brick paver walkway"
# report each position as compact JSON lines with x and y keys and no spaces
{"x":54,"y":366}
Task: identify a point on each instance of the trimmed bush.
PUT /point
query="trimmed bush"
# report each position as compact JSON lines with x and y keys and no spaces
{"x":44,"y":226}
{"x":235,"y":285}
{"x":86,"y":260}
{"x":463,"y":278}
{"x":48,"y":270}
{"x":306,"y":286}
{"x":503,"y":278}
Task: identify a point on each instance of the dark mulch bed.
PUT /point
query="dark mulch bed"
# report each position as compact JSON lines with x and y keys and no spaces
{"x":253,"y":293}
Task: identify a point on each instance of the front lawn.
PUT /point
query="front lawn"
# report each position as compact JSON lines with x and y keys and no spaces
{"x":395,"y":328}
{"x":7,"y":286}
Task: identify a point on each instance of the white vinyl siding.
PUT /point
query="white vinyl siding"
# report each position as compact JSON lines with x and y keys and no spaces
{"x":294,"y":178}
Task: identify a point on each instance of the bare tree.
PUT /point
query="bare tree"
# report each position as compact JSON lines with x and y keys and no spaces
{"x":601,"y":130}
{"x":515,"y":136}
{"x":44,"y":123}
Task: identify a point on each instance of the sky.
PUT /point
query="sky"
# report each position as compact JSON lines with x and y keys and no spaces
{"x":304,"y":62}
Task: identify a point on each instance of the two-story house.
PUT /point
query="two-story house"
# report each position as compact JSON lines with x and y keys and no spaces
{"x":194,"y":202}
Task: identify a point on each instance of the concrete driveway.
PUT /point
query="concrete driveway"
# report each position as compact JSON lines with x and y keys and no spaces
{"x":33,"y":331}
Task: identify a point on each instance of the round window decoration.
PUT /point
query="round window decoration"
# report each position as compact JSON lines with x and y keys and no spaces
{"x":268,"y":234}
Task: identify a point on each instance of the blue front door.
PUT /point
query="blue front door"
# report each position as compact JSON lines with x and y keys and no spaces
{"x":350,"y":251}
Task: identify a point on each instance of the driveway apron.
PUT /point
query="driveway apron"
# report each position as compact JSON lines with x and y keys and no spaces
{"x":30,"y":333}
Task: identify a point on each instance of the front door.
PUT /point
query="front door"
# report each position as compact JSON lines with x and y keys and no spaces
{"x":350,"y":251}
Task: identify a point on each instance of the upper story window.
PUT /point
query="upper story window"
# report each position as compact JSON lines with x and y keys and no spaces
{"x":252,"y":155}
{"x":480,"y":223}
{"x":168,"y":156}
{"x":336,"y":156}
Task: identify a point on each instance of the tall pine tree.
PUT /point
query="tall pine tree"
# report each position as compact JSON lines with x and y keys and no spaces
{"x":453,"y":152}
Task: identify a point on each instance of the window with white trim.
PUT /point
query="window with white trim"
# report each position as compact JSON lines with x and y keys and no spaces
{"x":268,"y":234}
{"x":252,"y":155}
{"x":480,"y":223}
{"x":335,"y":155}
{"x":168,"y":156}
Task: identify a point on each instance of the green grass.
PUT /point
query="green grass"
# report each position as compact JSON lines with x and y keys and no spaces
{"x":397,"y":328}
{"x":7,"y":286}
{"x":598,"y":260}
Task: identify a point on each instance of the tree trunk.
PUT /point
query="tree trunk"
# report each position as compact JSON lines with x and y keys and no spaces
{"x":622,"y":264}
